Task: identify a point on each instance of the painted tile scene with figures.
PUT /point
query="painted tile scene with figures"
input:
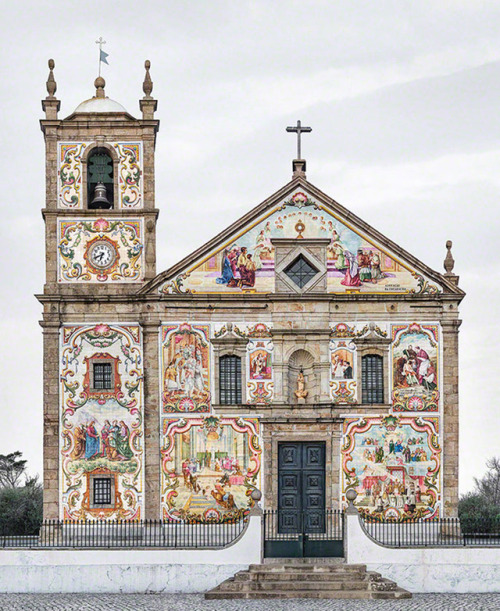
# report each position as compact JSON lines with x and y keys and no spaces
{"x":394,"y":464}
{"x":246,"y":263}
{"x":101,"y":424}
{"x":209,"y":468}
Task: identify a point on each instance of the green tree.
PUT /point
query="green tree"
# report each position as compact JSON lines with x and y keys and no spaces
{"x":479,"y":510}
{"x":12,"y":468}
{"x":20,"y":505}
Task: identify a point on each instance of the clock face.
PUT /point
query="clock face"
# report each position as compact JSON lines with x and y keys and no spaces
{"x":102,"y":255}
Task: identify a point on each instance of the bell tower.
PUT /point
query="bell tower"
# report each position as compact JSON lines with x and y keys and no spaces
{"x":100,"y":239}
{"x":100,"y":214}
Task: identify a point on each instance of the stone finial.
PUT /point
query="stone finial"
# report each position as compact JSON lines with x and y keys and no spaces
{"x":51,"y":104}
{"x":148,"y":104}
{"x":449,"y":261}
{"x":51,"y":81}
{"x":99,"y":85}
{"x":147,"y":85}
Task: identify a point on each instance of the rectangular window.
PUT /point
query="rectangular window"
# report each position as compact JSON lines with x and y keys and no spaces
{"x":230,"y":380}
{"x":103,"y":376}
{"x":372,"y":379}
{"x":102,"y":491}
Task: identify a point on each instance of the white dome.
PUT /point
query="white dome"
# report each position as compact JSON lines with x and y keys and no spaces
{"x":100,"y":105}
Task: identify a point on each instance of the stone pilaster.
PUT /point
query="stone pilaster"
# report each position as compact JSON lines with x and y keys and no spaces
{"x":51,"y":420}
{"x":449,"y":424}
{"x":151,"y":421}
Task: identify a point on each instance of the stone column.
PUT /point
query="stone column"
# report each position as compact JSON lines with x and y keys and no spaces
{"x":50,"y":420}
{"x":151,"y":421}
{"x":449,"y":423}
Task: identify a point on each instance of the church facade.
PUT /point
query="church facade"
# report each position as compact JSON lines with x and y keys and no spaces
{"x":299,"y":352}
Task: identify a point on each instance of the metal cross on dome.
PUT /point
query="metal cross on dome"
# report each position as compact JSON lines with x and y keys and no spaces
{"x":298,"y":129}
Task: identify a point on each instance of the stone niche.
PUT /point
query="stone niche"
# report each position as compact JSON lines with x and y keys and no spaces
{"x":302,"y":360}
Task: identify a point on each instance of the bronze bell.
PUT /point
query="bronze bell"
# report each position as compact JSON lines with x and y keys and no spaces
{"x":100,"y":198}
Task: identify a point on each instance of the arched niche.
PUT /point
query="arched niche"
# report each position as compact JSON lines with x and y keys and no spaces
{"x":302,"y":360}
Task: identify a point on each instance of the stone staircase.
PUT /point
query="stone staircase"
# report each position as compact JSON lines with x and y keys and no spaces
{"x":308,"y":580}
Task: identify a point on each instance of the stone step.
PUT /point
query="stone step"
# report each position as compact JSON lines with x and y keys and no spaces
{"x":340,"y":581}
{"x":340,"y":594}
{"x":260,"y":586}
{"x":307,"y":568}
{"x":244,"y":576}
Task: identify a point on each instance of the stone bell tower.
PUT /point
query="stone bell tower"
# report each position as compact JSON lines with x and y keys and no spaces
{"x":100,"y":227}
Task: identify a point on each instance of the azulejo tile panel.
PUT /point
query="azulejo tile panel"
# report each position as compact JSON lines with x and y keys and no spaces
{"x":100,"y":250}
{"x":101,"y":429}
{"x":415,"y":360}
{"x":209,"y":468}
{"x":70,"y":183}
{"x":185,"y":365}
{"x":245,"y":262}
{"x":394,"y":464}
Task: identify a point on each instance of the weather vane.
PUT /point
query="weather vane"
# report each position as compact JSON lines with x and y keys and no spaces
{"x":102,"y":54}
{"x":298,"y":129}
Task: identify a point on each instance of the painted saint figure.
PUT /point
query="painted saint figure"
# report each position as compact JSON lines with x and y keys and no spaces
{"x":91,"y":441}
{"x":352,"y":273}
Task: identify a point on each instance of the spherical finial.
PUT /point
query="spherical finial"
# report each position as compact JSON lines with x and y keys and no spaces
{"x":147,"y":64}
{"x":351,"y":495}
{"x":449,"y":244}
{"x":51,"y":82}
{"x":256,"y":495}
{"x":99,"y":85}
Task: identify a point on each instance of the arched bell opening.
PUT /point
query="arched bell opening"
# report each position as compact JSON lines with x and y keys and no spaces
{"x":100,"y":179}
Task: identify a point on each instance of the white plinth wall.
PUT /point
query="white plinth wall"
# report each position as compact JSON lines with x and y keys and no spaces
{"x":425,"y":569}
{"x":128,"y":571}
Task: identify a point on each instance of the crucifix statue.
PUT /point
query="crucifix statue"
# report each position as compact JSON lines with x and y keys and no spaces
{"x":298,"y":129}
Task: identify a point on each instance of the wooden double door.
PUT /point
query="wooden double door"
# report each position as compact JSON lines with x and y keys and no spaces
{"x":301,"y":487}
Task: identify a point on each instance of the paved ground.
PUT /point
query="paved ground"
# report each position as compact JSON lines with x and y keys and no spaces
{"x":191,"y":602}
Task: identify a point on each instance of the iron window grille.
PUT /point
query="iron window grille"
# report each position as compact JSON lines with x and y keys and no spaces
{"x":372,"y":379}
{"x":102,"y":491}
{"x":230,"y":380}
{"x":102,"y":376}
{"x":301,"y":271}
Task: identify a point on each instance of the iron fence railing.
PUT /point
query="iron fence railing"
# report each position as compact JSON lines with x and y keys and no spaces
{"x":432,"y":533}
{"x":285,"y":525}
{"x":129,"y":534}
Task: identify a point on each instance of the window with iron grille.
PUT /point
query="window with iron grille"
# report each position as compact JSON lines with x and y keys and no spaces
{"x":301,"y":271}
{"x":103,"y":376}
{"x":101,"y":491}
{"x":230,"y":380}
{"x":372,"y":379}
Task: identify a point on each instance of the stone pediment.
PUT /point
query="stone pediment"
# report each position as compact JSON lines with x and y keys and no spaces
{"x":359,"y":259}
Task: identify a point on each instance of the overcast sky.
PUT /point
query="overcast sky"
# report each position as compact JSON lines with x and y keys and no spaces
{"x":403,"y":98}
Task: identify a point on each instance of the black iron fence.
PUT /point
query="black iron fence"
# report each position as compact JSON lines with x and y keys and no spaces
{"x":435,"y":532}
{"x":129,"y":534}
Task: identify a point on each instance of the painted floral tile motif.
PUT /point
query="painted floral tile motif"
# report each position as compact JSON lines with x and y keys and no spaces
{"x":415,"y":367}
{"x":356,"y":263}
{"x":101,"y":250}
{"x":185,"y":367}
{"x":101,"y":428}
{"x":209,"y":468}
{"x":69,"y":183}
{"x":130,"y":181}
{"x":394,"y":464}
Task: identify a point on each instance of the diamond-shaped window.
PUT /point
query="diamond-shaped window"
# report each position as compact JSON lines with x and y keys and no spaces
{"x":301,"y":271}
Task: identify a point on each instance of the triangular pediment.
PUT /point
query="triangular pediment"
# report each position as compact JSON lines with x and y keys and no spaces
{"x":358,"y":258}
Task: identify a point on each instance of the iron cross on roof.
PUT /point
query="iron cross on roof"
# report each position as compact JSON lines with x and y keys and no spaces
{"x":298,"y":129}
